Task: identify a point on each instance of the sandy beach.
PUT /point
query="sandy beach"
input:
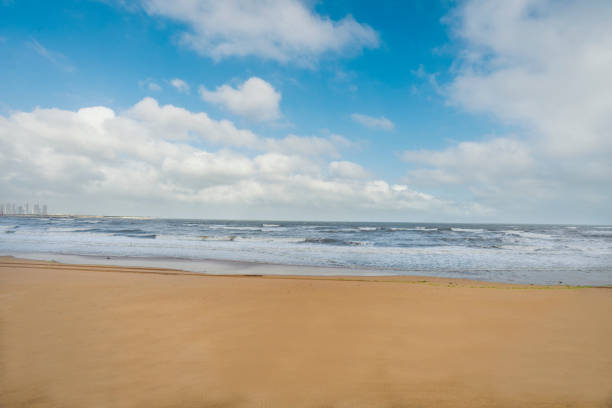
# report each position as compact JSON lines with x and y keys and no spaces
{"x":109,"y":336}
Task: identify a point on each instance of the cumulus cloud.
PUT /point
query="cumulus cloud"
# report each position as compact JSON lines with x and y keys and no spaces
{"x":543,"y":67}
{"x":308,"y":146}
{"x":280,"y":30}
{"x":469,"y":161}
{"x":373,"y":122}
{"x":255,"y":99}
{"x":150,"y":159}
{"x":180,"y":85}
{"x":173,"y":123}
{"x":541,"y":64}
{"x":346,"y":170}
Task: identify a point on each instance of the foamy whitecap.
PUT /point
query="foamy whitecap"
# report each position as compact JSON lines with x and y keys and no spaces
{"x":525,"y":234}
{"x":473,"y":230}
{"x":235,"y":228}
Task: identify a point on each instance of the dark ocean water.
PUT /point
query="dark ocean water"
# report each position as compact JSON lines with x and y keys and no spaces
{"x":499,"y":252}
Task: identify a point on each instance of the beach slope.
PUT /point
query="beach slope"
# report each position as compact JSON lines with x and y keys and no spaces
{"x":107,"y":336}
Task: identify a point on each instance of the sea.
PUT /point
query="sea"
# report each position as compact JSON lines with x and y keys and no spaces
{"x":516,"y":253}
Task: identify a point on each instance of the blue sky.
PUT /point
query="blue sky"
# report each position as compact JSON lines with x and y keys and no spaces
{"x":430,"y":81}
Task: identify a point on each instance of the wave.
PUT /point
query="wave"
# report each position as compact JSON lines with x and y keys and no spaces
{"x":234,"y":228}
{"x":472,"y":230}
{"x":413,"y":229}
{"x":333,"y":241}
{"x":270,"y":225}
{"x":271,"y":239}
{"x":597,"y":234}
{"x":62,"y":229}
{"x":218,"y":238}
{"x":146,"y":236}
{"x":525,"y":234}
{"x":121,"y":231}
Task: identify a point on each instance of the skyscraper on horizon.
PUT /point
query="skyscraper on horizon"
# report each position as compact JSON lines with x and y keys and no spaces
{"x":8,"y":209}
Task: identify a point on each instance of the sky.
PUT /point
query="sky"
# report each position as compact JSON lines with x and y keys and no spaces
{"x":422,"y":111}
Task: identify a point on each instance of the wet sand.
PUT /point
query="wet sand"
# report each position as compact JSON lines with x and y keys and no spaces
{"x":109,"y":336}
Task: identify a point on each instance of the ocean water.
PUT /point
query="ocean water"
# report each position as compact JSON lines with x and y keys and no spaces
{"x":541,"y":254}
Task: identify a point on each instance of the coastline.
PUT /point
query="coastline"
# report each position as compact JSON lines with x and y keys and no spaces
{"x":224,"y":267}
{"x":91,"y":335}
{"x":528,"y":254}
{"x":244,"y":269}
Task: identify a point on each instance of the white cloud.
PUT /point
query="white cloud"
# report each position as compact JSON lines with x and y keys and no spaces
{"x":470,"y":161}
{"x":544,"y":67}
{"x":174,"y":123}
{"x":372,"y":122}
{"x":541,"y":64}
{"x":346,"y":170}
{"x":150,"y":85}
{"x":255,"y":99}
{"x":149,"y":159}
{"x":308,"y":146}
{"x":154,"y":87}
{"x":280,"y":30}
{"x":180,"y":85}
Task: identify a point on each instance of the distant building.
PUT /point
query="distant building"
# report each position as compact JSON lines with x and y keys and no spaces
{"x":7,"y":209}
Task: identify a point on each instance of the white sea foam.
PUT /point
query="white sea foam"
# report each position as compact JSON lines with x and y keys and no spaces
{"x":219,"y":237}
{"x":600,"y":232}
{"x":525,"y":234}
{"x":412,"y":229}
{"x":270,"y":239}
{"x":473,"y":230}
{"x":235,"y":228}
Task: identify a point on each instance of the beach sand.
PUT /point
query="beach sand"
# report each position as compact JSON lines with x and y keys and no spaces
{"x":108,"y":336}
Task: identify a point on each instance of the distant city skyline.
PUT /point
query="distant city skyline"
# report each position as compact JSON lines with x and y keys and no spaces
{"x":12,"y":208}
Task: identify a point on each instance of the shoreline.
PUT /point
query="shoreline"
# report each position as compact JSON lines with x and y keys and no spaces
{"x":224,"y":267}
{"x":411,"y":279}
